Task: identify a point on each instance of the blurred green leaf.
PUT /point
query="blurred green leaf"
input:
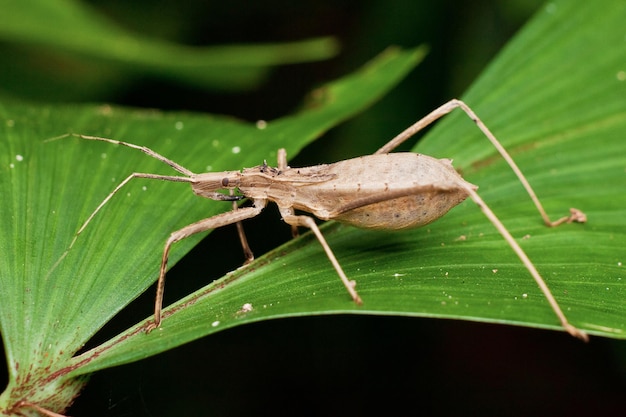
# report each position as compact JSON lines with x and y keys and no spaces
{"x":74,"y":43}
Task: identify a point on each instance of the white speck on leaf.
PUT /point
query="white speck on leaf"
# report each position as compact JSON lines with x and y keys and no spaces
{"x":246,"y":308}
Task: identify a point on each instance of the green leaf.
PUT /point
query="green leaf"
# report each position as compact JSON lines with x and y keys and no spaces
{"x":54,"y":299}
{"x":561,"y":113}
{"x":98,"y":49}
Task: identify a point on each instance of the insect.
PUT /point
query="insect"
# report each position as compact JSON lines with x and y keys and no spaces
{"x":379,"y":191}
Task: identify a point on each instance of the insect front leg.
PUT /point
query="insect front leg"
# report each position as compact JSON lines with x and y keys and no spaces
{"x":575,"y":214}
{"x":143,"y":149}
{"x":306,"y":221}
{"x":106,"y":200}
{"x":214,"y":222}
{"x":189,"y":178}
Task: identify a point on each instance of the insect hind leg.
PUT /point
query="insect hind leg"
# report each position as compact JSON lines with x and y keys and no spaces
{"x":528,"y":264}
{"x":575,"y":214}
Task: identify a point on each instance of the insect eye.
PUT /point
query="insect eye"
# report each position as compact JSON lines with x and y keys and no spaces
{"x":225,"y":182}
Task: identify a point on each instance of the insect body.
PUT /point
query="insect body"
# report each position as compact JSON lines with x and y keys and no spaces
{"x":386,"y":191}
{"x":380,"y":191}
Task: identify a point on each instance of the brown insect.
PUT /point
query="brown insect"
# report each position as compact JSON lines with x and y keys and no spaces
{"x":379,"y":191}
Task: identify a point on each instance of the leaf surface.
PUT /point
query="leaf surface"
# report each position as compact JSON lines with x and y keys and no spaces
{"x":57,"y":294}
{"x":558,"y":107}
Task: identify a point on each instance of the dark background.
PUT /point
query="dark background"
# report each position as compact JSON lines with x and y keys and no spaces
{"x":341,"y":365}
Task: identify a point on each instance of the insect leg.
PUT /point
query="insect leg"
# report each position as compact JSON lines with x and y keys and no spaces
{"x":307,"y":221}
{"x":190,"y":179}
{"x":575,"y":214}
{"x":282,"y":159}
{"x":282,"y":165}
{"x":528,"y":264}
{"x":214,"y":222}
{"x":247,"y":252}
{"x":106,"y":200}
